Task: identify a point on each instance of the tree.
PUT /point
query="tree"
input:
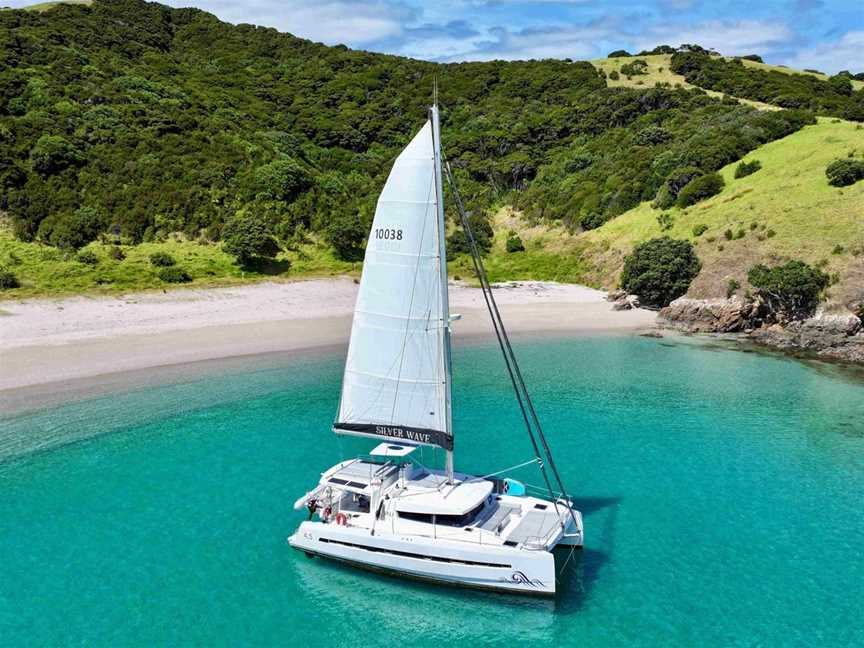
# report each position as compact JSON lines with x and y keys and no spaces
{"x":282,"y":179}
{"x":247,"y":235}
{"x":660,"y":270}
{"x":844,"y":172}
{"x":52,"y":154}
{"x":699,"y":189}
{"x":619,"y":54}
{"x":791,"y":290}
{"x":841,"y":84}
{"x":345,"y":232}
{"x":481,"y":228}
{"x":73,"y":231}
{"x":674,"y":183}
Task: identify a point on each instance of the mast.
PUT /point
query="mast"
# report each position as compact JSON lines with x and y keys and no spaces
{"x":445,"y":296}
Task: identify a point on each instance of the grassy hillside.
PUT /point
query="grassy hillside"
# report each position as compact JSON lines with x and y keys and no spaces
{"x":159,"y":128}
{"x":658,"y":72}
{"x":785,"y":210}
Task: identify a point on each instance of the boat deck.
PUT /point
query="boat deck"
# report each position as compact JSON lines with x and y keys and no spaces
{"x":535,"y":526}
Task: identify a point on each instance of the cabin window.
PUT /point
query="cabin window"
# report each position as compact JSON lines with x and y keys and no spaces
{"x":445,"y":520}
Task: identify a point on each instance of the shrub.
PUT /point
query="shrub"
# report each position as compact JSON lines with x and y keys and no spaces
{"x":728,"y":234}
{"x":660,"y":270}
{"x":592,"y":220}
{"x":514,"y":243}
{"x":731,"y":287}
{"x":838,"y":249}
{"x":8,"y":280}
{"x":174,"y":274}
{"x":791,"y":290}
{"x":676,"y":180}
{"x":247,"y":235}
{"x":699,"y":189}
{"x":116,"y":252}
{"x":844,"y":172}
{"x":699,"y":230}
{"x":614,"y":75}
{"x":87,"y":257}
{"x":635,"y":68}
{"x":665,"y":220}
{"x":162,"y":259}
{"x":747,"y":168}
{"x":770,"y":233}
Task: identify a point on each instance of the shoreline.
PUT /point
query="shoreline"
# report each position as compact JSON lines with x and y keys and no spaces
{"x":55,"y":341}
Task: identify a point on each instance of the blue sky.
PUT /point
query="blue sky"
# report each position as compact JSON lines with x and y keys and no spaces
{"x":818,"y":34}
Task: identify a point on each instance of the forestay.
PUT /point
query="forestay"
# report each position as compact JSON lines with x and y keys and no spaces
{"x":394,"y":384}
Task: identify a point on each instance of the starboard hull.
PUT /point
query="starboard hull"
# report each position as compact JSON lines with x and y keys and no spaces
{"x":488,"y":568}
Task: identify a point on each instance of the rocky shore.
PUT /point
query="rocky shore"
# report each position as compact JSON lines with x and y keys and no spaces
{"x":836,"y":334}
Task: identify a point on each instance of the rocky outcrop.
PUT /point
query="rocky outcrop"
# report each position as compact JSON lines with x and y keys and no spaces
{"x":836,"y":335}
{"x":622,"y":301}
{"x":712,"y":315}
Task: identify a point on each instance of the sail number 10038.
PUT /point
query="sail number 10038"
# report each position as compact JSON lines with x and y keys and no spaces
{"x":388,"y":234}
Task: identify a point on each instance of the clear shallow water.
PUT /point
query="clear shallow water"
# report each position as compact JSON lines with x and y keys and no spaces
{"x":722,"y":494}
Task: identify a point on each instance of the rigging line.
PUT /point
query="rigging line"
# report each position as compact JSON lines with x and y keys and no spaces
{"x":521,"y":465}
{"x":481,"y":275}
{"x":478,"y":262}
{"x":411,"y":304}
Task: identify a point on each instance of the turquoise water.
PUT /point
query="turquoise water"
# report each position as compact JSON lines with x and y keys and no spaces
{"x":722,"y":494}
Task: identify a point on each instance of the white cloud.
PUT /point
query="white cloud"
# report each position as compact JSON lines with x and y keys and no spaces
{"x":728,"y":37}
{"x":844,"y":54}
{"x":328,"y":21}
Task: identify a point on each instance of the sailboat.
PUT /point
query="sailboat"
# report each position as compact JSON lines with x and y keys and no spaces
{"x":385,"y":510}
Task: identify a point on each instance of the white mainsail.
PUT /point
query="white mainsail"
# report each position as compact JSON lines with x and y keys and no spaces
{"x":396,"y":381}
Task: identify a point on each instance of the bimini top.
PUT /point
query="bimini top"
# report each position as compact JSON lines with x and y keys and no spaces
{"x":429,"y":496}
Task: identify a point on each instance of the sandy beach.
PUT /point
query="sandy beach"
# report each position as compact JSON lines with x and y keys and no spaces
{"x":49,"y":340}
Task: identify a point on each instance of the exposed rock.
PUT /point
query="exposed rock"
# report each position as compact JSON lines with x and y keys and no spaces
{"x":712,"y":315}
{"x":837,"y":336}
{"x":615,"y":295}
{"x":626,"y":302}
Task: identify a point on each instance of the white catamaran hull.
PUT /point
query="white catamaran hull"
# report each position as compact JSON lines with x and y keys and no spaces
{"x":491,"y":568}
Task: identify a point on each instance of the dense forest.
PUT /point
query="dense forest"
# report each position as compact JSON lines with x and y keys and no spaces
{"x":141,"y":120}
{"x":833,"y":97}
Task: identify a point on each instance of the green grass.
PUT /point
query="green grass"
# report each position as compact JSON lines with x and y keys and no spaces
{"x":658,"y":72}
{"x":790,"y":196}
{"x":47,"y":271}
{"x":551,"y":253}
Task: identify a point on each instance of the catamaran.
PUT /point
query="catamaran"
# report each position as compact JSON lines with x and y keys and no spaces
{"x":386,"y":511}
